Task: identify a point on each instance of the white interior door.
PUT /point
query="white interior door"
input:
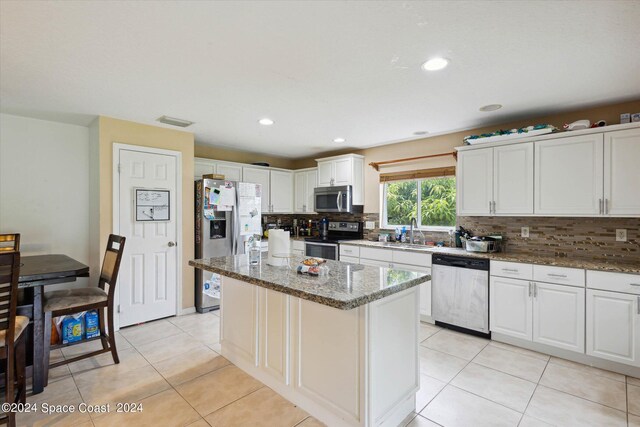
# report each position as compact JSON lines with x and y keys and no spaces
{"x":148,"y":273}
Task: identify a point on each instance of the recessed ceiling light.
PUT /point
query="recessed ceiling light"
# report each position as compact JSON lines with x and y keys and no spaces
{"x":265,"y":122}
{"x":435,"y":64}
{"x":421,"y":132}
{"x":174,"y":122}
{"x":339,"y":140}
{"x":490,"y":107}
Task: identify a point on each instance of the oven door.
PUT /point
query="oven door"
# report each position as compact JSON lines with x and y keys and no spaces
{"x":321,"y":250}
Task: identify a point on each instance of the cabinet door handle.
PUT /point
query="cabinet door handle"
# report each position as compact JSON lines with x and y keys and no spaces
{"x":638,"y":305}
{"x":606,"y":206}
{"x":600,"y":206}
{"x":634,"y":284}
{"x":530,"y":289}
{"x":490,"y":207}
{"x":535,"y":290}
{"x":494,"y":206}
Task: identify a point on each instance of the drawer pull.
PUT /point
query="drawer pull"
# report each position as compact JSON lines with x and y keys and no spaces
{"x":510,"y":270}
{"x":634,"y":284}
{"x":557,"y":275}
{"x":638,"y":305}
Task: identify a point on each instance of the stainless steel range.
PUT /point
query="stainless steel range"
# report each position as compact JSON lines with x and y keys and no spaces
{"x":328,"y":247}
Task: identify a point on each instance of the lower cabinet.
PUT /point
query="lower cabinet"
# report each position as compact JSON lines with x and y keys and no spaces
{"x":558,"y":316}
{"x":613,"y":326}
{"x":510,"y":307}
{"x":539,"y":312}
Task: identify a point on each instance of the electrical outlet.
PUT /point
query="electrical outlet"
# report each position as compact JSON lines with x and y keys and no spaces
{"x":370,"y":225}
{"x":524,"y":232}
{"x":621,"y":235}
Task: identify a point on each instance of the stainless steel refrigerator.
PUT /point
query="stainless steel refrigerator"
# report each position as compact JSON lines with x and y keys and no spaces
{"x":227,"y":213}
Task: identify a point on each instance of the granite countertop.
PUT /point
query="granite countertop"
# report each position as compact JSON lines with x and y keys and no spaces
{"x":618,"y":266}
{"x":346,"y":286}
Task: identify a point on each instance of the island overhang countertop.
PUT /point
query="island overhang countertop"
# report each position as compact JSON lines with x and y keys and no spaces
{"x":346,"y":286}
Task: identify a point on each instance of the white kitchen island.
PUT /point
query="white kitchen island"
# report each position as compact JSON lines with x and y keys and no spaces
{"x":343,"y":347}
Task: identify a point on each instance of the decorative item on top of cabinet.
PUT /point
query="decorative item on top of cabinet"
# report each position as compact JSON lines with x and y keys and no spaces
{"x":347,"y":169}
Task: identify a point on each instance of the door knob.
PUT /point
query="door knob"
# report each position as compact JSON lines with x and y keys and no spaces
{"x":172,"y":244}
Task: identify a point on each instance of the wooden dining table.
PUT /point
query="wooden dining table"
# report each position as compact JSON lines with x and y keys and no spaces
{"x":36,"y":272}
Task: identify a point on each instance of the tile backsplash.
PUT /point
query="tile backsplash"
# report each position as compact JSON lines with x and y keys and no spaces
{"x":583,"y":238}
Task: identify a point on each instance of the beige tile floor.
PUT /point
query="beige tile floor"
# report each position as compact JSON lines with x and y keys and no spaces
{"x":470,"y":381}
{"x":173,"y":368}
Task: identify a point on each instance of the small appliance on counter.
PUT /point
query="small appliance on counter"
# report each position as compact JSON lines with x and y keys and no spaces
{"x":483,"y":244}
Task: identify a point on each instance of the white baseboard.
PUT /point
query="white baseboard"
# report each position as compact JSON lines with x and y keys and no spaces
{"x":189,"y":310}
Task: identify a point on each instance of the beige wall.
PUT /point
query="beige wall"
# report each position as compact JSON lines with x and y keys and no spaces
{"x":121,"y":131}
{"x":209,"y":152}
{"x":446,"y":143}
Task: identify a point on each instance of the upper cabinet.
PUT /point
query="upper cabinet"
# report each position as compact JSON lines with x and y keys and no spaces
{"x":496,"y":181}
{"x":586,"y":174}
{"x":347,"y":169}
{"x":622,"y":172}
{"x":281,"y":191}
{"x":231,"y":171}
{"x":474,"y":182}
{"x":569,"y":173}
{"x":305,"y":180}
{"x":203,"y":167}
{"x":277,"y":187}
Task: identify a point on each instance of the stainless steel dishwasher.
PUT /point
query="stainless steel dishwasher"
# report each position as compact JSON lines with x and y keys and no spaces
{"x":460,"y":293}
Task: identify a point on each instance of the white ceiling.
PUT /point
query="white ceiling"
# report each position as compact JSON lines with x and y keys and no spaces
{"x":321,"y":70}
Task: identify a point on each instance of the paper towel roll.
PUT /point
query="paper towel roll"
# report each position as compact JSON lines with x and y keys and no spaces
{"x":279,"y":245}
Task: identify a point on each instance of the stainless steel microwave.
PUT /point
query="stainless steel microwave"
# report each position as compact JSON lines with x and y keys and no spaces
{"x":335,"y":199}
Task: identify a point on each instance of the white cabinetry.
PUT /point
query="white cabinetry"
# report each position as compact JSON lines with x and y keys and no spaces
{"x":203,"y":167}
{"x":281,"y":191}
{"x":613,"y":316}
{"x":621,"y":172}
{"x":558,"y":316}
{"x":496,"y":181}
{"x":513,"y":179}
{"x":583,"y":173}
{"x":260,"y":176}
{"x":277,"y":188}
{"x":546,"y":313}
{"x":510,"y":307}
{"x":231,"y":171}
{"x":569,"y":175}
{"x":347,"y":169}
{"x":474,"y":182}
{"x":305,"y":181}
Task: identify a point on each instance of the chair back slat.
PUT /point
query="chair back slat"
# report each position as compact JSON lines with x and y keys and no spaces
{"x":10,"y":242}
{"x":111,"y":262}
{"x":9,"y":273}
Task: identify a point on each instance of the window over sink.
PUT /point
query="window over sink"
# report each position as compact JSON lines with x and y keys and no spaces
{"x":432,"y":201}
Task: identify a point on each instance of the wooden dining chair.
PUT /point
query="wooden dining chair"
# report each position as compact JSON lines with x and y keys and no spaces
{"x":10,"y":242}
{"x":72,"y":301}
{"x":12,"y":340}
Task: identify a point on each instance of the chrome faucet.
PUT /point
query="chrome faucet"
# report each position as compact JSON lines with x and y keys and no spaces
{"x":413,"y":221}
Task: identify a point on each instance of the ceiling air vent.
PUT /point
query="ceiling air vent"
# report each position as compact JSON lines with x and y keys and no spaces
{"x":175,"y":122}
